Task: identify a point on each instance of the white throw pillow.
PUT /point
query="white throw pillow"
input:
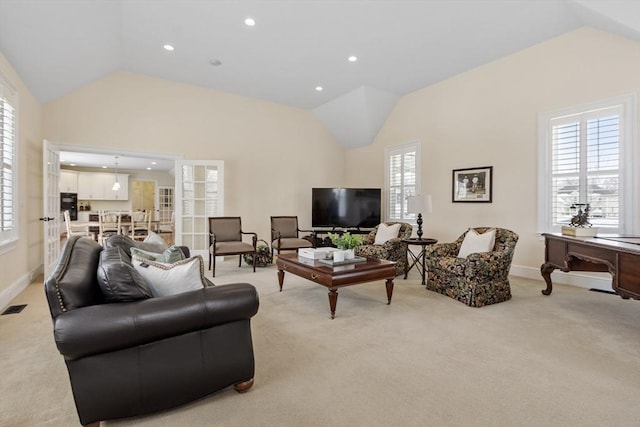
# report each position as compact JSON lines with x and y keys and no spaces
{"x":386,"y":232}
{"x":475,"y":243}
{"x":171,"y":279}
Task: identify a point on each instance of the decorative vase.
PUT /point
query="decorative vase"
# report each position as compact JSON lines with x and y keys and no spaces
{"x":349,"y":254}
{"x":338,"y":256}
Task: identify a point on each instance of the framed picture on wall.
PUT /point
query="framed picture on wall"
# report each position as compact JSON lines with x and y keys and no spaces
{"x":473,"y":185}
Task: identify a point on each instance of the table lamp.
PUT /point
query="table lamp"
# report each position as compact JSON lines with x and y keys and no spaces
{"x":417,"y":205}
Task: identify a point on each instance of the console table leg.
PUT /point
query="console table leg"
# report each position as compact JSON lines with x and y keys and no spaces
{"x":333,"y":301}
{"x":280,"y":278}
{"x":546,"y":270}
{"x":389,"y":285}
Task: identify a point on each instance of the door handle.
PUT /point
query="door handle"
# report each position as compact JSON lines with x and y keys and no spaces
{"x":46,"y":218}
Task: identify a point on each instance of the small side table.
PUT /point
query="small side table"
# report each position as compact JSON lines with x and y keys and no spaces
{"x":417,"y":258}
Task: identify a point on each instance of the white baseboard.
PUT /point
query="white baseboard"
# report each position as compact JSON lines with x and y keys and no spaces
{"x":14,"y":289}
{"x":600,"y":281}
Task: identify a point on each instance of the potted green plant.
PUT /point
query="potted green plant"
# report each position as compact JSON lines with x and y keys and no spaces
{"x":346,"y":242}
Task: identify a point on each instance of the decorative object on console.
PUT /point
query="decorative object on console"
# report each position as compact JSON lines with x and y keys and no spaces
{"x":417,"y":205}
{"x":580,"y":225}
{"x":472,"y":185}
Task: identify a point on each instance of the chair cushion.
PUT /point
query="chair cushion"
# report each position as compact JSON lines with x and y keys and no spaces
{"x":117,"y":278}
{"x":171,"y":279}
{"x":386,"y":232}
{"x":475,"y":243}
{"x":292,"y":243}
{"x":232,"y":248}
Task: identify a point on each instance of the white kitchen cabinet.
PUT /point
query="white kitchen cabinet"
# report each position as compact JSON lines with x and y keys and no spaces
{"x":98,"y":186}
{"x":68,"y":182}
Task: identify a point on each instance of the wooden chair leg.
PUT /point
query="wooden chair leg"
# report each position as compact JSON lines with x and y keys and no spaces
{"x":239,"y":260}
{"x":255,"y":255}
{"x":214,"y":265}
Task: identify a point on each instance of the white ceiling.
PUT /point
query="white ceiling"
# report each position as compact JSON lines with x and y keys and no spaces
{"x":60,"y":45}
{"x":72,"y":159}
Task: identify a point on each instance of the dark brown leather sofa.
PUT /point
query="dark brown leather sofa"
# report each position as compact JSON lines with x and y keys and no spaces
{"x":133,"y":358}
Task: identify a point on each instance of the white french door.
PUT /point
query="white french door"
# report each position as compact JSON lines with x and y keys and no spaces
{"x":51,"y":204}
{"x":199,"y":195}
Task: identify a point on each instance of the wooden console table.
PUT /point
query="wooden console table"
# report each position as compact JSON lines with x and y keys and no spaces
{"x":619,"y":256}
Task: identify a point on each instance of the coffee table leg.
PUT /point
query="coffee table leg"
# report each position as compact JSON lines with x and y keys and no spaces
{"x":280,"y":278}
{"x":333,"y":301}
{"x":389,"y":285}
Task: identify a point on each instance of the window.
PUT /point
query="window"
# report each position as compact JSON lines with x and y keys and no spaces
{"x":8,"y":175}
{"x":587,"y":156}
{"x":403,"y":178}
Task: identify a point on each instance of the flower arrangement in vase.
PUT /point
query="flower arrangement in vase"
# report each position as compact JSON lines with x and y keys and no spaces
{"x":346,"y":242}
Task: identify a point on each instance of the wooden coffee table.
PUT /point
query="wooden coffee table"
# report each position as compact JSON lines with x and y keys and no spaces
{"x":334,"y":277}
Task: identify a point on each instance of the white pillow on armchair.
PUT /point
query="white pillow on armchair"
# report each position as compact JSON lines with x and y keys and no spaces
{"x":476,"y":243}
{"x":386,"y":232}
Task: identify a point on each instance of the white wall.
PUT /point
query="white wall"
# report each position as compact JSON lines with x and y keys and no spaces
{"x":488,"y":117}
{"x":24,"y":261}
{"x":273,"y":154}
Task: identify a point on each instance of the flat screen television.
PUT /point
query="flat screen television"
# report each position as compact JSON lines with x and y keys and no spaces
{"x":345,"y":207}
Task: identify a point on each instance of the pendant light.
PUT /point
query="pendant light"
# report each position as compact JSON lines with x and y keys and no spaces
{"x":116,"y":185}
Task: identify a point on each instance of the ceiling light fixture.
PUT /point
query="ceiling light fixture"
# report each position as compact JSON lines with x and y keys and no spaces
{"x":104,"y":166}
{"x":215,"y":62}
{"x":148,"y":169}
{"x":168,"y":47}
{"x":250,"y":22}
{"x":116,"y":185}
{"x":319,"y":88}
{"x":353,"y":58}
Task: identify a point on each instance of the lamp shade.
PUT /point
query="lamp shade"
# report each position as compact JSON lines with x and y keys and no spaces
{"x":419,"y":204}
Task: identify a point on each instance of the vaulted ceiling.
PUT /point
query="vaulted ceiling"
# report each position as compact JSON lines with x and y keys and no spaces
{"x":295,"y":46}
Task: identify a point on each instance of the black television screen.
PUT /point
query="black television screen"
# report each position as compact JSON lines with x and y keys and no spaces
{"x":345,"y":207}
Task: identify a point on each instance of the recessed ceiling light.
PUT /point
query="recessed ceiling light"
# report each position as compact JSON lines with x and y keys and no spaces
{"x":168,"y":47}
{"x":353,"y":58}
{"x":319,"y":88}
{"x":148,"y":169}
{"x":72,"y":164}
{"x":250,"y":22}
{"x":154,"y":163}
{"x":104,"y":167}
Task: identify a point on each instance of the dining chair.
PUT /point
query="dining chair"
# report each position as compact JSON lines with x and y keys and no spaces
{"x":109,"y":224}
{"x":140,"y":224}
{"x":76,"y":229}
{"x":225,"y":238}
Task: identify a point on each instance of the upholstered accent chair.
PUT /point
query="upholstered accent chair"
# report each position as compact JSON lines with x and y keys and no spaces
{"x":225,"y":238}
{"x":392,"y":250}
{"x":285,"y":234}
{"x":479,"y":279}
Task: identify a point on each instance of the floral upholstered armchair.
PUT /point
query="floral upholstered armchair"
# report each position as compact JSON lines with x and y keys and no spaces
{"x":392,"y":250}
{"x":479,"y":279}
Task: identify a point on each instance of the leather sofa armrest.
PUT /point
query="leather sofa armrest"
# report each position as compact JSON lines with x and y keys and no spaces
{"x":110,"y":327}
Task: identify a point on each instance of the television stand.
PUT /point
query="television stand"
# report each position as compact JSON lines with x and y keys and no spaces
{"x":322,"y":237}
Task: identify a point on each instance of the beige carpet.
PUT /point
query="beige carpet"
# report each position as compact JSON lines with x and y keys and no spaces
{"x":570,"y":359}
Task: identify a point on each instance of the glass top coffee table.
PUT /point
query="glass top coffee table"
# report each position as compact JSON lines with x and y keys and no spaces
{"x":334,"y":277}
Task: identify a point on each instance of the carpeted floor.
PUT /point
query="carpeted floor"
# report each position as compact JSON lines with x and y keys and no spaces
{"x":570,"y":359}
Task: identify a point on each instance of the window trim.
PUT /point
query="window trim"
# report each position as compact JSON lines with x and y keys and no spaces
{"x":628,"y":155}
{"x":414,"y":145}
{"x":11,"y":94}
